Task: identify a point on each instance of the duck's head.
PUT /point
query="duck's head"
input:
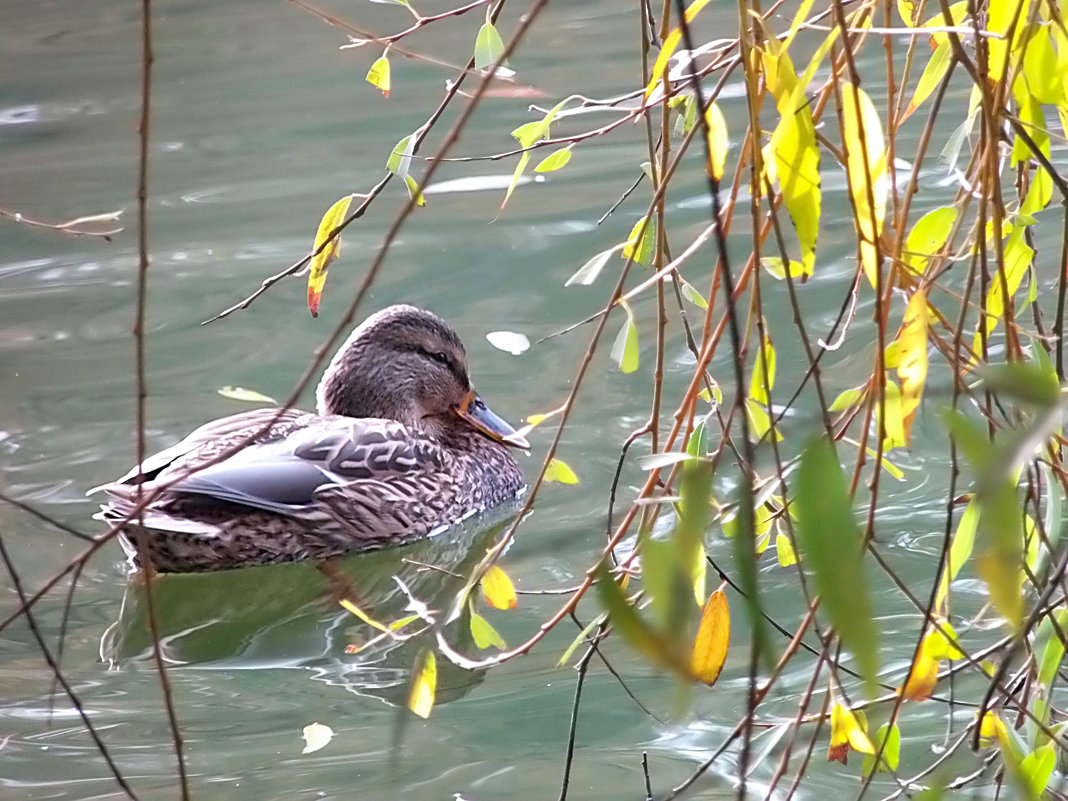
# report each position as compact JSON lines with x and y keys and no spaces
{"x":406,"y":364}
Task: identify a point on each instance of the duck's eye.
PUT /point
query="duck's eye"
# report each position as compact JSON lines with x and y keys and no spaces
{"x":440,"y":357}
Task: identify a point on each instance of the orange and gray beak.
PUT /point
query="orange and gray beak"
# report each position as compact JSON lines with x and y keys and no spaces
{"x":474,"y":410}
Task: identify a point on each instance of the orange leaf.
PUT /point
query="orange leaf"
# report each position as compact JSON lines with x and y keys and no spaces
{"x":334,"y":216}
{"x":713,"y":639}
{"x":497,"y":589}
{"x":838,"y":753}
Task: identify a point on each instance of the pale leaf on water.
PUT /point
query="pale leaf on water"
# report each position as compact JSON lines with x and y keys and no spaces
{"x":316,"y":736}
{"x":509,"y":341}
{"x":247,"y":395}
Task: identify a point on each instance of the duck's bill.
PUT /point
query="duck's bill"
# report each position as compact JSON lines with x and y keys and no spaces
{"x":475,"y":411}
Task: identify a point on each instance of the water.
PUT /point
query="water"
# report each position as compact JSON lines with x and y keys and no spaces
{"x":259,"y":124}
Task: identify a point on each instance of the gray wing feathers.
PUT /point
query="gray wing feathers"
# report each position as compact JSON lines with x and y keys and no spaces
{"x":283,"y":475}
{"x":217,"y":436}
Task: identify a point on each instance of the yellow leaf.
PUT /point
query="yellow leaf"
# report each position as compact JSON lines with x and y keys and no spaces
{"x":940,"y":642}
{"x":378,"y":75}
{"x":869,"y":183}
{"x":846,"y":731}
{"x":351,"y":607}
{"x":717,"y":141}
{"x":316,"y":736}
{"x":1002,"y":15}
{"x":992,"y":728}
{"x":641,"y":250}
{"x":669,"y":45}
{"x":923,"y":675}
{"x":326,"y":251}
{"x":713,"y":639}
{"x":912,"y":368}
{"x":894,"y":425}
{"x":413,"y":190}
{"x":787,"y":555}
{"x":792,"y":158}
{"x":424,"y":684}
{"x":497,"y":589}
{"x":561,"y":472}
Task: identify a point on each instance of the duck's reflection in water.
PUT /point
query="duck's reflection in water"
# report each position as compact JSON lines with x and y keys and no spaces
{"x":290,"y":616}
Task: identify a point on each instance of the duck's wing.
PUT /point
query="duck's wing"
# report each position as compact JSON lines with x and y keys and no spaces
{"x":285,"y":475}
{"x":217,"y":437}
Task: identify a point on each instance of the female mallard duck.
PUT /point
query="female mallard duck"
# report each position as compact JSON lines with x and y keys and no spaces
{"x":401,"y":445}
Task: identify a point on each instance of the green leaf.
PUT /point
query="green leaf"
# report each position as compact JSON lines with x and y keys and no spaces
{"x":928,"y":236}
{"x":691,"y":294}
{"x":848,"y":399}
{"x":1037,"y":769}
{"x":891,"y":736}
{"x":400,"y":159}
{"x":527,"y":135}
{"x":1052,"y":652}
{"x":484,"y":634}
{"x":641,"y":250}
{"x":579,"y":639}
{"x":700,"y":441}
{"x":625,"y":348}
{"x":759,"y":421}
{"x":554,"y":161}
{"x":632,"y":627}
{"x":488,"y":47}
{"x":763,"y":378}
{"x":832,"y":548}
{"x":933,"y":74}
{"x":960,"y":550}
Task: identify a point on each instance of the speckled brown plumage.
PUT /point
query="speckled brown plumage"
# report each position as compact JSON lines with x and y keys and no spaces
{"x":400,"y":447}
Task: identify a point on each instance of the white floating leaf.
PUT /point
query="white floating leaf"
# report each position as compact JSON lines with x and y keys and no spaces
{"x":316,"y":736}
{"x":508,"y":341}
{"x":247,"y":395}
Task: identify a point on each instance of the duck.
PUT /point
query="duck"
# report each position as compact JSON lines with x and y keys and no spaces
{"x":400,"y":447}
